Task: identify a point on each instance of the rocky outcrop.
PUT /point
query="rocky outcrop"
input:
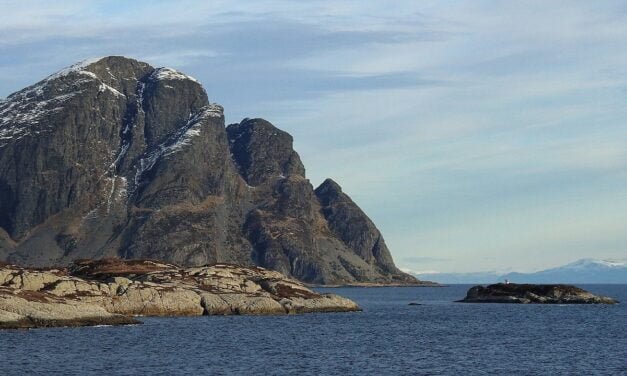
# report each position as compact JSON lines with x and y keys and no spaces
{"x":262,"y":152}
{"x":538,"y":294}
{"x":112,"y":291}
{"x":350,"y":224}
{"x":114,"y":158}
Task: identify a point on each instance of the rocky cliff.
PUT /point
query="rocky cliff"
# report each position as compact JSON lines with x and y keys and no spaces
{"x":112,"y":157}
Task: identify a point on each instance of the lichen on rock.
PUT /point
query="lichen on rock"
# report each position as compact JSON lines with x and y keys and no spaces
{"x":112,"y":291}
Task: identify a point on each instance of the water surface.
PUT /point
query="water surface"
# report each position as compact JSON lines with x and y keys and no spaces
{"x":438,"y":337}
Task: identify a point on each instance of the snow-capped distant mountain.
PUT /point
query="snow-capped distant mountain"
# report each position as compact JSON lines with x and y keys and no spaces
{"x":580,"y":271}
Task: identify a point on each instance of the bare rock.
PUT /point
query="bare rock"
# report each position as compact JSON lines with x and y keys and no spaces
{"x":213,"y":304}
{"x":252,"y":305}
{"x":144,"y":300}
{"x":323,"y":303}
{"x":112,"y":291}
{"x":28,"y":309}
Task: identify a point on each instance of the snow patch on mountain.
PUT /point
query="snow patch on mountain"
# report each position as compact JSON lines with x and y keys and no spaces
{"x":78,"y":67}
{"x":179,"y":140}
{"x":22,"y":113}
{"x":586,"y":263}
{"x":166,"y":73}
{"x":20,"y":118}
{"x":38,"y":89}
{"x":581,"y":271}
{"x":104,"y":87}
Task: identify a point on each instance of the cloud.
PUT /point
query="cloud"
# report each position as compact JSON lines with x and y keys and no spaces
{"x":481,"y":133}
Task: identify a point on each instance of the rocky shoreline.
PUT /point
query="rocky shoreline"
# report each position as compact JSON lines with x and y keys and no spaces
{"x":420,"y":283}
{"x":113,"y":292}
{"x":533,"y":294}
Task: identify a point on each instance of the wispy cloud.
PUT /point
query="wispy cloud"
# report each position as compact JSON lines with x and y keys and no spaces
{"x":479,"y":134}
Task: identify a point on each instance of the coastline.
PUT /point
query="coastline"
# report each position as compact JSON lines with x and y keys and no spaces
{"x":115,"y":292}
{"x":375,"y":285}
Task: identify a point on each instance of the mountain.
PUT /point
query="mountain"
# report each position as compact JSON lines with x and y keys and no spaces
{"x":581,"y":271}
{"x":114,"y":158}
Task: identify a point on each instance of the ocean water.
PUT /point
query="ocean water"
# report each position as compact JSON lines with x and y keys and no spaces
{"x":389,"y":337}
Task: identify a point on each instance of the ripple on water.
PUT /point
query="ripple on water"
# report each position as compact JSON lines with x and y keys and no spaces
{"x":389,"y":337}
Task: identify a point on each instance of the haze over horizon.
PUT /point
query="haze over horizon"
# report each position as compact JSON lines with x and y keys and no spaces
{"x":480,"y":136}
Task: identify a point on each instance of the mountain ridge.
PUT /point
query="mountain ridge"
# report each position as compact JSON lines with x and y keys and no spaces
{"x":586,"y":270}
{"x":114,"y":158}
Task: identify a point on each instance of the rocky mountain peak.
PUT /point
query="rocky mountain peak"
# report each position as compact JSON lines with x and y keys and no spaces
{"x":112,"y":70}
{"x":170,"y":74}
{"x":262,"y":151}
{"x":329,"y":191}
{"x":114,"y":158}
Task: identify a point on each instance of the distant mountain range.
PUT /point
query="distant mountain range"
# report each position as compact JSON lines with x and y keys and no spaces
{"x":581,"y":271}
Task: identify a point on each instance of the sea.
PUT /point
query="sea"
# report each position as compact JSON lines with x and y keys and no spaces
{"x":390,"y":337}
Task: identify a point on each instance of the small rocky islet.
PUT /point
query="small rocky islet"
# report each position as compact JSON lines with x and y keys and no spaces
{"x":114,"y":292}
{"x":533,"y":294}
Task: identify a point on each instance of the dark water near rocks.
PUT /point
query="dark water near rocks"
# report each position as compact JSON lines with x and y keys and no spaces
{"x":390,"y":337}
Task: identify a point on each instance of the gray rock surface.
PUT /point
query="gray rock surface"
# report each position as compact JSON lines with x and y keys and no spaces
{"x":535,"y":294}
{"x":114,"y":158}
{"x":111,"y":291}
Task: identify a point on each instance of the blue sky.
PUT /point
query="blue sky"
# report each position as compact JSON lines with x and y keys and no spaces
{"x":478,"y":135}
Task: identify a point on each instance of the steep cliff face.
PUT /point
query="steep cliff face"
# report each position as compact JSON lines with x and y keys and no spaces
{"x":112,"y":157}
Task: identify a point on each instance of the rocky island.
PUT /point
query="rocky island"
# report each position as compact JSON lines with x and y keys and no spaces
{"x":112,"y":157}
{"x":529,"y":293}
{"x":114,"y":291}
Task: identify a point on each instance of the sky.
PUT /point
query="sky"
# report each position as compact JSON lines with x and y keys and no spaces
{"x":477,"y":135}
